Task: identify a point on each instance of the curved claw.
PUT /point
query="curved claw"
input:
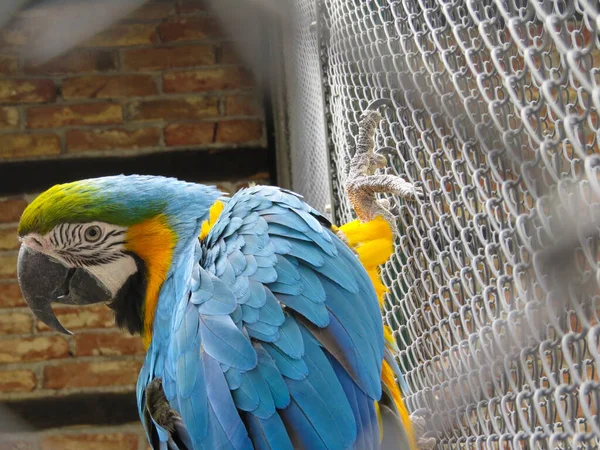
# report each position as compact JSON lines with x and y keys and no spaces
{"x":389,"y":150}
{"x":375,"y":104}
{"x":363,"y":183}
{"x":419,"y":193}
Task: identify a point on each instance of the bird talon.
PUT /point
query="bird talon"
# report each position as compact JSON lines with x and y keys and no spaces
{"x":378,"y":103}
{"x":364,"y":183}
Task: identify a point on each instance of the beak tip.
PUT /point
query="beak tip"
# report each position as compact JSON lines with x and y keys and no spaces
{"x":41,"y":279}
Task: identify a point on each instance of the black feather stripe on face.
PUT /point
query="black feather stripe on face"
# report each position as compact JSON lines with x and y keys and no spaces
{"x":128,"y":304}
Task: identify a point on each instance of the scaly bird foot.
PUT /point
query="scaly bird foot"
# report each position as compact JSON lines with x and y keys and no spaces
{"x":363,"y":183}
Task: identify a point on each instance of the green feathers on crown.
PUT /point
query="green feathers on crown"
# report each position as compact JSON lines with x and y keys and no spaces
{"x":80,"y":202}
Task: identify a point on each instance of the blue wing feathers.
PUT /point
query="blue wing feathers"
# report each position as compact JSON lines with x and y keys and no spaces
{"x":300,"y":249}
{"x":286,"y":272}
{"x":221,"y":302}
{"x":234,"y":378}
{"x":251,"y":266}
{"x":270,"y":337}
{"x":367,"y":291}
{"x":301,"y":430}
{"x":350,"y":391}
{"x":223,"y":408}
{"x":312,"y":287}
{"x":273,"y":377}
{"x":315,"y":312}
{"x":265,"y":275}
{"x":246,"y":397}
{"x":258,"y":295}
{"x":249,"y":314}
{"x":288,"y":289}
{"x":293,"y":368}
{"x":238,"y":260}
{"x":290,"y":341}
{"x":270,"y":312}
{"x":268,"y":434}
{"x":263,"y":328}
{"x":367,"y":427}
{"x":276,"y":339}
{"x":278,"y":229}
{"x":222,"y":340}
{"x":355,"y":322}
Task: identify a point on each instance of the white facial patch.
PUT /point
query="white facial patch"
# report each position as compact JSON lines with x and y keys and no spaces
{"x":97,"y":247}
{"x":114,"y":274}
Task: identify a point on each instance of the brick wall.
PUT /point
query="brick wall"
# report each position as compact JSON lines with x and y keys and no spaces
{"x":166,"y":77}
{"x":163,"y":79}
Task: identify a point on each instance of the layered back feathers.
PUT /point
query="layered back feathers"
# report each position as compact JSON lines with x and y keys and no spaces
{"x":267,"y":334}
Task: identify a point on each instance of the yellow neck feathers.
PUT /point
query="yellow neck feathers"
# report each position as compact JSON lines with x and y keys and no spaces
{"x":213,"y":214}
{"x":154,"y":242}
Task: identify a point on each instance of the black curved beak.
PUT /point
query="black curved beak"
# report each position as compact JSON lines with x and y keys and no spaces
{"x":44,"y":280}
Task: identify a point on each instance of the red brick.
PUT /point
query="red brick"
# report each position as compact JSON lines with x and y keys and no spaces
{"x":11,"y":209}
{"x":16,"y":381}
{"x":27,"y":91}
{"x":115,"y":138}
{"x":190,"y":134}
{"x":242,"y":105}
{"x":9,"y":117}
{"x":78,"y":317}
{"x":8,"y":265}
{"x":122,"y":35}
{"x":9,"y":64}
{"x":82,"y":114}
{"x":20,"y":444}
{"x":15,"y":322}
{"x":212,"y":79}
{"x":90,"y":441}
{"x":21,"y":145}
{"x":33,"y":348}
{"x":239,"y":131}
{"x":9,"y":239}
{"x":10,"y":295}
{"x":91,"y":374}
{"x":108,"y":344}
{"x":75,"y":61}
{"x":168,"y":57}
{"x":187,"y":108}
{"x":99,"y":86}
{"x":152,"y":11}
{"x":191,"y":6}
{"x":190,"y":29}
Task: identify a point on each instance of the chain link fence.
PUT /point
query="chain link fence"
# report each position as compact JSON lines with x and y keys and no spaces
{"x":494,"y":285}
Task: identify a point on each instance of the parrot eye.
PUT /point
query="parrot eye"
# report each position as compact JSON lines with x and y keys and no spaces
{"x":93,"y":233}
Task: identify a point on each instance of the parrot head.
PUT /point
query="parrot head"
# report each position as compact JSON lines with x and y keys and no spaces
{"x":111,"y":239}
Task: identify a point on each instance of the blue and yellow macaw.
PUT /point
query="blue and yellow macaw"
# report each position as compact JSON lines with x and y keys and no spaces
{"x":262,"y":326}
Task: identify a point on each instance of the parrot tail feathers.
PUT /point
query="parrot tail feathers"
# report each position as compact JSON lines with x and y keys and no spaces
{"x":394,"y":433}
{"x":373,"y":243}
{"x":391,"y":403}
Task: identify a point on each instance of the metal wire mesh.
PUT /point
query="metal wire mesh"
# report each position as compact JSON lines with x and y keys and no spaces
{"x":310,"y":169}
{"x":496,"y":115}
